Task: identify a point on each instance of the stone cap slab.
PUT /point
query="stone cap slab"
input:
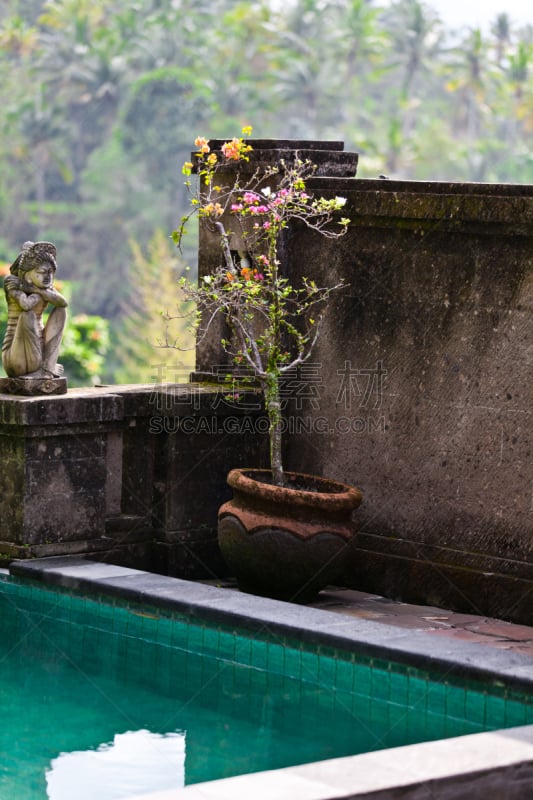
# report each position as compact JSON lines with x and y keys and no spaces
{"x":285,"y":144}
{"x":486,"y":207}
{"x":330,"y":158}
{"x":112,"y":403}
{"x":490,"y":765}
{"x":74,"y":407}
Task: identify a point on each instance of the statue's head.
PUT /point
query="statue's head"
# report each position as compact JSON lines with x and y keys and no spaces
{"x":35,"y":258}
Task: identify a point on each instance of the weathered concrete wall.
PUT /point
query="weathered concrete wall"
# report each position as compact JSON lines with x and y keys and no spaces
{"x":425,"y":373}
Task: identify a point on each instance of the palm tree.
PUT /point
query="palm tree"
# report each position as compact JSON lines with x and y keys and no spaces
{"x":18,"y":38}
{"x":518,"y":95}
{"x":361,"y":45}
{"x":307,"y":77}
{"x":470,"y":74}
{"x":417,"y":38}
{"x":501,"y":29}
{"x":83,"y":57}
{"x":520,"y":66}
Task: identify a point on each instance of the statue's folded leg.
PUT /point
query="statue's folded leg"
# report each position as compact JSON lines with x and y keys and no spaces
{"x":24,"y":355}
{"x":53,"y":332}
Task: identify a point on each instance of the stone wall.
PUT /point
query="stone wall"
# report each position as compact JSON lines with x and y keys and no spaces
{"x":420,"y":392}
{"x":128,"y":474}
{"x":424,"y":371}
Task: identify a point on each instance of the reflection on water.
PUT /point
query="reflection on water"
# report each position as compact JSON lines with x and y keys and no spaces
{"x":136,"y":762}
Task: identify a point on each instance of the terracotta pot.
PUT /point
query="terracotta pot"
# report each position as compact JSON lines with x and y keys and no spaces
{"x":286,"y":542}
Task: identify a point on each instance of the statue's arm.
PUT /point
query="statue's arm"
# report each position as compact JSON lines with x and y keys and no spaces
{"x":14,"y":293}
{"x":52,"y":296}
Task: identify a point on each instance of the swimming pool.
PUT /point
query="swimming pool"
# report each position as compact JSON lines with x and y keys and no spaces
{"x":109,"y":699}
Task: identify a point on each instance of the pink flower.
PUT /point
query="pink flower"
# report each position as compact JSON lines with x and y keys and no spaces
{"x":250,"y":198}
{"x":232,"y":150}
{"x":236,"y":207}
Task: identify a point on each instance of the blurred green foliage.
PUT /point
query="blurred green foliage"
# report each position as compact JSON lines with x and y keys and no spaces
{"x":84,"y":349}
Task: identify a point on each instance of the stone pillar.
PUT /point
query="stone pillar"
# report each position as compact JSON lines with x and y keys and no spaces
{"x":331,"y":161}
{"x":61,"y":471}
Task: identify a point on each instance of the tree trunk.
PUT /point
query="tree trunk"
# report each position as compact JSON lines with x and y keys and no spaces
{"x":273,"y":409}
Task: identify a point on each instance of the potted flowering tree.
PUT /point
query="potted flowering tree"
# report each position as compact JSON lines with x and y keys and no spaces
{"x":273,"y":327}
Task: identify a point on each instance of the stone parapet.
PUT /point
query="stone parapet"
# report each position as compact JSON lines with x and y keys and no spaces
{"x":425,"y":368}
{"x":128,"y":474}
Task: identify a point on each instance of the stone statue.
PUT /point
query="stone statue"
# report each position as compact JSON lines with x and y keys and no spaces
{"x":31,"y":347}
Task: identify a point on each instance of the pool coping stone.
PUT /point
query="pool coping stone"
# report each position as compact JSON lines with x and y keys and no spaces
{"x":307,"y":624}
{"x":492,"y":765}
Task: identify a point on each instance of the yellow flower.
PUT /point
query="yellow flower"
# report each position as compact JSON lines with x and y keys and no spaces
{"x":202,"y":144}
{"x":212,"y":210}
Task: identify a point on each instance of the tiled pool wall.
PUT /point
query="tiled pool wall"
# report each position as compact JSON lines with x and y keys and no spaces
{"x":470,"y":766}
{"x":387,"y":686}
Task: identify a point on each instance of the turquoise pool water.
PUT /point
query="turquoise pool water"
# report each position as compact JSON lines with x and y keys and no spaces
{"x":101,"y":700}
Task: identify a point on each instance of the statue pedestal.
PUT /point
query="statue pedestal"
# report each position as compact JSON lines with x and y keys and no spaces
{"x":30,"y":387}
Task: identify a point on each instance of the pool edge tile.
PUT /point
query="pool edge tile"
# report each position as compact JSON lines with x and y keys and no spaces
{"x":307,"y":624}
